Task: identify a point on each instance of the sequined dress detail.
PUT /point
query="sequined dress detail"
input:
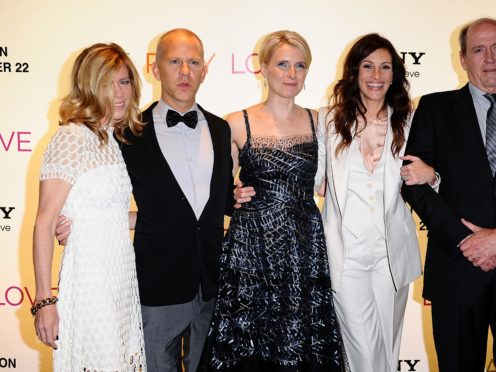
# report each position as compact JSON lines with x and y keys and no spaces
{"x":274,"y":310}
{"x":100,"y":325}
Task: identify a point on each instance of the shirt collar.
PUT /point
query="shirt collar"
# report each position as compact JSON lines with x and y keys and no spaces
{"x":476,"y":92}
{"x":163,"y":107}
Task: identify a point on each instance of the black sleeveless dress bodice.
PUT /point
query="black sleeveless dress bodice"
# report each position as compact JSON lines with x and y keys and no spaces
{"x":274,"y":310}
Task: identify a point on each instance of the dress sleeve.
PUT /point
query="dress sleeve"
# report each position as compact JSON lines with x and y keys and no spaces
{"x":64,"y":155}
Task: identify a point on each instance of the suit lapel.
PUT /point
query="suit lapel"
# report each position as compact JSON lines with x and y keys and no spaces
{"x":152,"y":146}
{"x":467,"y":120}
{"x":392,"y":166}
{"x":340,"y":170}
{"x":216,"y":145}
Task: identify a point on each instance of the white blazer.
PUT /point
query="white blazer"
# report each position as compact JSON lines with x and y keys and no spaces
{"x":401,"y":236}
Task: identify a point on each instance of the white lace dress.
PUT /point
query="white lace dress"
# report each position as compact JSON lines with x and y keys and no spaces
{"x":100,"y":317}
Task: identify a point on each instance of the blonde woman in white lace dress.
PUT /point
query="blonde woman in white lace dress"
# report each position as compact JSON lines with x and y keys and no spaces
{"x":95,"y":323}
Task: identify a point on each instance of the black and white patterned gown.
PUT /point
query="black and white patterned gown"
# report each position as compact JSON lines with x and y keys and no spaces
{"x":274,"y":310}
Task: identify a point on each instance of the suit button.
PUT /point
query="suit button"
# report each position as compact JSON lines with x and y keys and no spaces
{"x":197,"y":228}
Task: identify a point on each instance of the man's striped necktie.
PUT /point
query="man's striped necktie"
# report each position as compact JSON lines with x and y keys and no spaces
{"x":491,"y":132}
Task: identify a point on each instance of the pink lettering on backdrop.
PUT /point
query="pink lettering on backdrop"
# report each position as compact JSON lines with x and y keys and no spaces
{"x":7,"y":146}
{"x":247,"y":66}
{"x":150,"y":60}
{"x":21,"y":141}
{"x":19,"y":137}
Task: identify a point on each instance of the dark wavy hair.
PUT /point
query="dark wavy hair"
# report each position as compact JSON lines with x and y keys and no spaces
{"x":346,"y":103}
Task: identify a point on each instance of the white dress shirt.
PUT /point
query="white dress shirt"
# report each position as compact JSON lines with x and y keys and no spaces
{"x":189,"y":153}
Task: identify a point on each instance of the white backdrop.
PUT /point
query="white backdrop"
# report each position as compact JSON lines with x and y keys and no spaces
{"x":39,"y":41}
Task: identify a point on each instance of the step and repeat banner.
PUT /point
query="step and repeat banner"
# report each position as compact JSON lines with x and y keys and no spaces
{"x":39,"y":41}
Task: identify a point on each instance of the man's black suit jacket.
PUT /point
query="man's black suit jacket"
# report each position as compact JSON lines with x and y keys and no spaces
{"x":445,"y":133}
{"x":175,"y":252}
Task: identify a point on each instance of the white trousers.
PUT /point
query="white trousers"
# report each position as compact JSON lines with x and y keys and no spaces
{"x":369,"y":309}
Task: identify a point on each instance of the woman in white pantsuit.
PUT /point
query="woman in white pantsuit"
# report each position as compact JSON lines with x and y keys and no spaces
{"x":371,"y":236}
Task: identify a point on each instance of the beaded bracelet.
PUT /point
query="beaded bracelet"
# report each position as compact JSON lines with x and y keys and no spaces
{"x":42,"y":303}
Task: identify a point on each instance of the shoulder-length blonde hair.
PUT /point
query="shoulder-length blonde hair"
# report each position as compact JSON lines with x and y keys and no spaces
{"x":90,"y":101}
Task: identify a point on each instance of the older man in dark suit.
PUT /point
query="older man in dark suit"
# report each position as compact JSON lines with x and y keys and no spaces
{"x":455,"y":132}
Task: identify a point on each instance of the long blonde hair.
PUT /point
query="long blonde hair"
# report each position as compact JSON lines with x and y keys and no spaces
{"x":90,"y":101}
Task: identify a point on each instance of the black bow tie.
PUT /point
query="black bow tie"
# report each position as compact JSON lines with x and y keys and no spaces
{"x":190,"y":118}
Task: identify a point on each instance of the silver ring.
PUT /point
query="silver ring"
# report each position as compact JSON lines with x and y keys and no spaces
{"x":403,"y":178}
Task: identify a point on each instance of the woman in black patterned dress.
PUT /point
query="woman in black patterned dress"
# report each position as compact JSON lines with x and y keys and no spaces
{"x":274,"y":310}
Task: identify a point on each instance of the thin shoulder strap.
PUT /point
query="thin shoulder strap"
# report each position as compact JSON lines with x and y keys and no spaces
{"x":311,"y":121}
{"x":247,"y":125}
